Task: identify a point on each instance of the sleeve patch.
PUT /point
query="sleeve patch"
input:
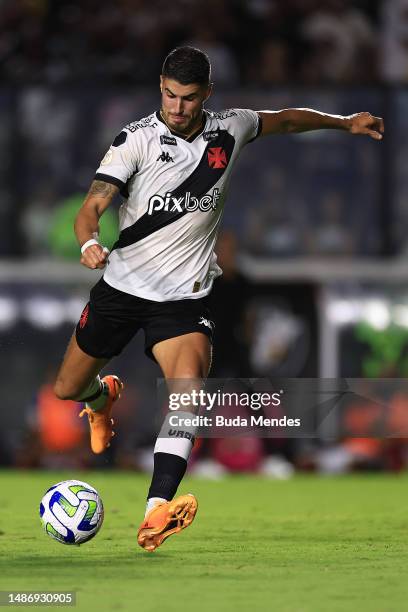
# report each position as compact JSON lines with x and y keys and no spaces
{"x":107,"y":158}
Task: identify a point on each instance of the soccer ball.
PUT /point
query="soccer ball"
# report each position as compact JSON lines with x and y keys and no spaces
{"x":71,"y":512}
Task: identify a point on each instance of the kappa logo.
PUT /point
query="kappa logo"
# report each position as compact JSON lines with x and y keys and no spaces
{"x":206,"y":322}
{"x":217,"y":158}
{"x":165,"y":157}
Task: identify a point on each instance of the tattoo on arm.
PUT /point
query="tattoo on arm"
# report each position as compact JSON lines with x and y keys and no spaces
{"x":101,"y":189}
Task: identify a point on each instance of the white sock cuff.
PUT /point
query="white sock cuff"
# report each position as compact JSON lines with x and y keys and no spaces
{"x":152,"y":502}
{"x":176,"y":437}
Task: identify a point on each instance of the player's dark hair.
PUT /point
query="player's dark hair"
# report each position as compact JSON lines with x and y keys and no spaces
{"x":187,"y":65}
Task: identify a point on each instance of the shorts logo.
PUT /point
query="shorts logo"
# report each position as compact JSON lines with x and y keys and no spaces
{"x":217,"y":158}
{"x":186,"y":203}
{"x":206,"y":322}
{"x":84,"y":317}
{"x":168,"y":140}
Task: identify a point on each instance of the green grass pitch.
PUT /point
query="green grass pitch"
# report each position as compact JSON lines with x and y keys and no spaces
{"x":306,"y":545}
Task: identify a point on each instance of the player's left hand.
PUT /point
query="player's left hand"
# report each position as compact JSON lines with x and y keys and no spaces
{"x":365,"y":123}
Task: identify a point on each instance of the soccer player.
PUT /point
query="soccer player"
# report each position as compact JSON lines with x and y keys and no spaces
{"x":172,"y":169}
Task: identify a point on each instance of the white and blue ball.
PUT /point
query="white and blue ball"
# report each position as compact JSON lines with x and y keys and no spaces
{"x":71,"y":512}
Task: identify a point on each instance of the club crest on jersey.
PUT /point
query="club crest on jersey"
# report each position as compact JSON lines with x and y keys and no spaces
{"x":217,"y":158}
{"x":186,"y":203}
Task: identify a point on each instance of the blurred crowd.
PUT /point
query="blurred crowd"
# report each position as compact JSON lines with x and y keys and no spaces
{"x":255,"y":42}
{"x":73,"y":73}
{"x":368,"y":437}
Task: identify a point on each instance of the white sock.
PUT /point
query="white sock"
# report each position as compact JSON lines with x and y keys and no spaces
{"x":152,"y":502}
{"x":176,"y":439}
{"x":171,"y":452}
{"x":100,"y":402}
{"x":99,"y":391}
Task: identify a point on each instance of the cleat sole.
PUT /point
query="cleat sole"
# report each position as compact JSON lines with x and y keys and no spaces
{"x":180,"y":514}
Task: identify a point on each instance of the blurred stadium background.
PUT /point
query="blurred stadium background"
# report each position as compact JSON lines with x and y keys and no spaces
{"x":313,"y":246}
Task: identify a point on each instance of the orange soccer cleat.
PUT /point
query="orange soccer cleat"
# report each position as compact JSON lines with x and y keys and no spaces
{"x":165,"y":519}
{"x":100,"y":421}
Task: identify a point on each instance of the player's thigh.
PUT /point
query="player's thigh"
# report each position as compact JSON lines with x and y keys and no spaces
{"x":77,"y":371}
{"x":185,"y":362}
{"x":186,"y":356}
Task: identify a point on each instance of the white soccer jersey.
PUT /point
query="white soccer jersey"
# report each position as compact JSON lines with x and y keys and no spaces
{"x":175,"y":190}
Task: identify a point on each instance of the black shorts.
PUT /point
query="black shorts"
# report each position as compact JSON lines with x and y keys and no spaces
{"x":111,"y":319}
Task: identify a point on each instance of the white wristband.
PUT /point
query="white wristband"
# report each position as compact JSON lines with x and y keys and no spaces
{"x":88,"y":243}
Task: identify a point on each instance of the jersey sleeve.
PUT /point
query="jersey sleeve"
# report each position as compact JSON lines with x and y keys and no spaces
{"x":120,"y":161}
{"x":247,"y":124}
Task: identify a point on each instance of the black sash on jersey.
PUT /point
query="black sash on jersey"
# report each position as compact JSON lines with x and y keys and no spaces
{"x":198,"y":184}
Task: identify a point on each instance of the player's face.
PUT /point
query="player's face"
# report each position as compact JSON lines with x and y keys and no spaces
{"x":182,"y":105}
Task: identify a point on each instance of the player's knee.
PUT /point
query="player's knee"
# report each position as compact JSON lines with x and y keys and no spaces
{"x":187,"y":378}
{"x":193,"y":375}
{"x":194,"y":371}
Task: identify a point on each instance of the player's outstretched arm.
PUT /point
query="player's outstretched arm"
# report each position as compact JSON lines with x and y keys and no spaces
{"x":100,"y":195}
{"x":292,"y":120}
